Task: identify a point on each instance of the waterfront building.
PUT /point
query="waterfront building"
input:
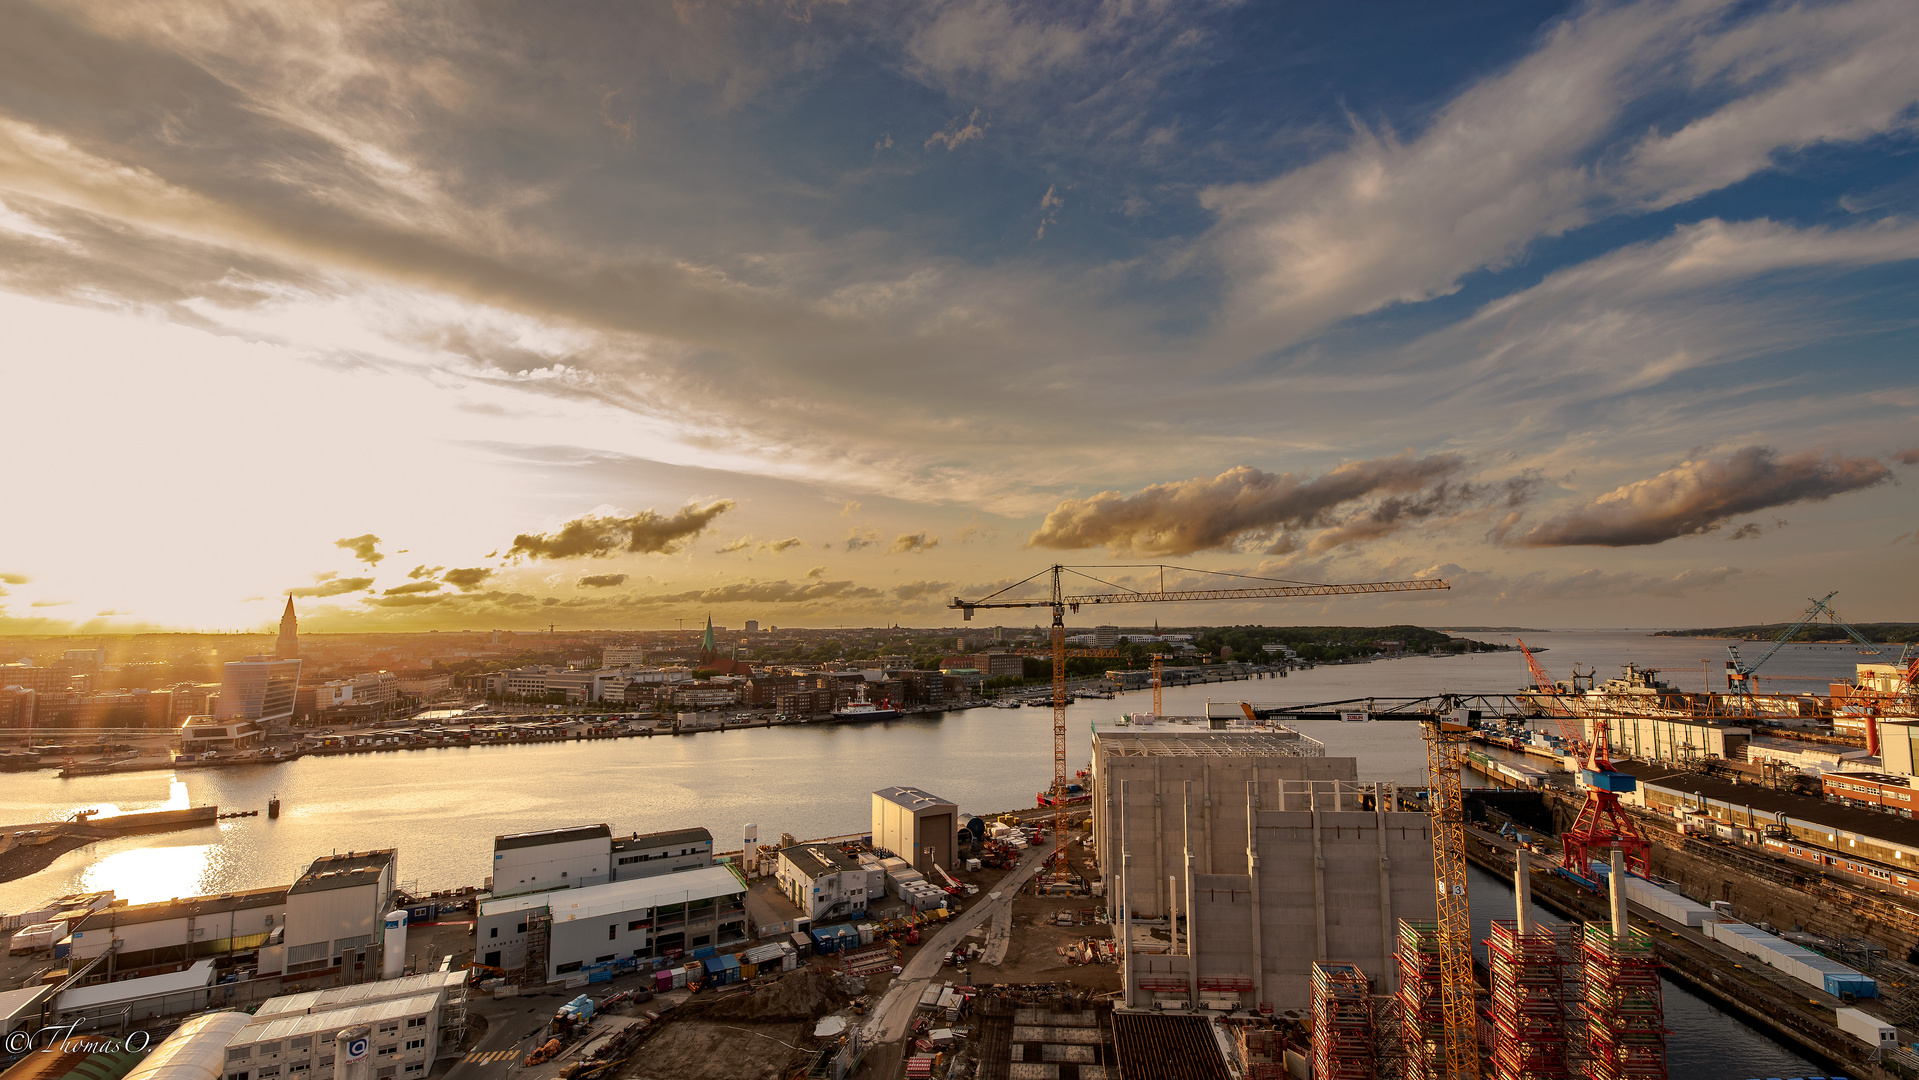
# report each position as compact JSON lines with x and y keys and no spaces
{"x":825,"y":884}
{"x":336,"y":915}
{"x":16,"y":707}
{"x":1670,"y":738}
{"x":564,"y":931}
{"x":174,"y":932}
{"x":992,"y":665}
{"x":585,"y":855}
{"x":404,"y":1033}
{"x":258,"y":688}
{"x":204,"y":734}
{"x":916,"y":826}
{"x":1274,"y":856}
{"x":365,"y":696}
{"x":40,"y":680}
{"x":653,"y":854}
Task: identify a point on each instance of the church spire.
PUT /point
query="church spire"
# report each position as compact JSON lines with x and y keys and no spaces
{"x":288,"y":646}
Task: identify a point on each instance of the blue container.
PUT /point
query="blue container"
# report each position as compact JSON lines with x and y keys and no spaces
{"x":1610,"y":781}
{"x":703,"y":952}
{"x":419,"y":913}
{"x":1860,"y":986}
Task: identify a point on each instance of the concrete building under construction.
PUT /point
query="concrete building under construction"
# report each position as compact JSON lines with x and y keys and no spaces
{"x":1237,"y":858}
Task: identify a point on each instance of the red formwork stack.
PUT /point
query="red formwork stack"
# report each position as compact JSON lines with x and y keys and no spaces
{"x":1529,"y":1002}
{"x":1422,"y":1016}
{"x":1625,"y":1014}
{"x":1342,"y":1024}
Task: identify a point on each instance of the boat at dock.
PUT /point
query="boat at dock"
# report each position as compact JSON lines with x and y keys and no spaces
{"x":863,"y":709}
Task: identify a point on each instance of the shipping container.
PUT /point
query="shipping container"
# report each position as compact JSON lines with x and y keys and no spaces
{"x":1803,"y":964}
{"x":1870,"y":1030}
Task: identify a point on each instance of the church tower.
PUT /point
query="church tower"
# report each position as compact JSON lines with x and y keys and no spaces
{"x":289,"y":644}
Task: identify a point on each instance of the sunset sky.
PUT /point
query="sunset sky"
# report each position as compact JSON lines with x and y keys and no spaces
{"x":497,"y":315}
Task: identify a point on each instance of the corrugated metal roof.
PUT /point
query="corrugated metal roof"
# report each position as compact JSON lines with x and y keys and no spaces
{"x":666,"y":838}
{"x":913,"y":798}
{"x":191,"y":906}
{"x":360,"y":993}
{"x":281,"y":1027}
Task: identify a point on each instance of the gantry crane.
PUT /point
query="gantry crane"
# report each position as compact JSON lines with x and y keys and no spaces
{"x":1059,"y":601}
{"x":1739,"y":675}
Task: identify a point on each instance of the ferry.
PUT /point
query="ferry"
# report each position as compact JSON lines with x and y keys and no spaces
{"x":863,"y":709}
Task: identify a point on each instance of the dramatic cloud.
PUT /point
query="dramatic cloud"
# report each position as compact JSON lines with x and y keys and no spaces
{"x":364,"y":548}
{"x":1697,"y":496}
{"x":601,"y":581}
{"x":468,"y":578}
{"x":1194,"y":515}
{"x":918,"y":541}
{"x":645,"y":533}
{"x":333,"y":586}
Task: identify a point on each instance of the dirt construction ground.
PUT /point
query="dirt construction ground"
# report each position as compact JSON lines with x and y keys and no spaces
{"x":690,"y":1049}
{"x":1033,"y":955}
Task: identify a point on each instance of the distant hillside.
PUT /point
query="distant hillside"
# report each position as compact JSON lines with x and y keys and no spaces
{"x":1881,"y":632}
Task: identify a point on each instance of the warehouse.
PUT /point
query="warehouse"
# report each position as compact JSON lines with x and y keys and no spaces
{"x":584,"y":855}
{"x":173,"y":932}
{"x":917,"y":826}
{"x":569,"y":930}
{"x":336,"y":912}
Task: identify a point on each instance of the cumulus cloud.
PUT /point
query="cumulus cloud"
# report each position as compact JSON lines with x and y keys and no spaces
{"x":907,"y":542}
{"x":332,"y":585}
{"x":413,"y":588}
{"x":468,"y":578}
{"x":1698,"y":496}
{"x":764,"y":547}
{"x":1193,"y":515}
{"x":601,"y":581}
{"x":423,"y":571}
{"x":858,"y":537}
{"x":1903,"y":457}
{"x":646,"y":533}
{"x":15,"y":579}
{"x":364,"y":548}
{"x":777,"y":546}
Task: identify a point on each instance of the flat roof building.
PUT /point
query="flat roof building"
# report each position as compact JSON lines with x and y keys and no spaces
{"x":404,"y":1040}
{"x":825,"y":884}
{"x":583,"y":855}
{"x":258,"y":688}
{"x":336,"y":913}
{"x":916,"y":825}
{"x":564,"y":931}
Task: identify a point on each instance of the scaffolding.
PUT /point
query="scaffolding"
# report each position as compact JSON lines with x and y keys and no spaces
{"x":1625,"y":1016}
{"x":533,"y":971}
{"x":1342,"y":1023}
{"x":1529,"y":1001}
{"x":1422,"y":1016}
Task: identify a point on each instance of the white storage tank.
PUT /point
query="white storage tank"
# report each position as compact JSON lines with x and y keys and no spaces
{"x":393,"y":962}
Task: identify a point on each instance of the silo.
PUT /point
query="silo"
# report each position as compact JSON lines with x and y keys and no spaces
{"x":394,"y":961}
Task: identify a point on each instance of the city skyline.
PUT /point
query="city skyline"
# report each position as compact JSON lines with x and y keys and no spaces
{"x":824,"y":314}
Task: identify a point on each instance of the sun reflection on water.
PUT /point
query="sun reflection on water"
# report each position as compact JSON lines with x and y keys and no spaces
{"x":146,"y":875}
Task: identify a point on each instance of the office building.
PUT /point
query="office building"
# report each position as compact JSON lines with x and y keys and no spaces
{"x":258,"y":688}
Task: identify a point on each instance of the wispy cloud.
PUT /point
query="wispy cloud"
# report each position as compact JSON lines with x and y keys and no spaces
{"x":333,"y":586}
{"x":957,"y":133}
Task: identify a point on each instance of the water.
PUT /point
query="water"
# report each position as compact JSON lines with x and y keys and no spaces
{"x":1703,"y":1042}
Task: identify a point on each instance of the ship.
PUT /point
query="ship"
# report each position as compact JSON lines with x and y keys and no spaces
{"x":862,"y":709}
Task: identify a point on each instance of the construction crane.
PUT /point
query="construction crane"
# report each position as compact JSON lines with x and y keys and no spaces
{"x":1059,"y":601}
{"x":1446,"y":802}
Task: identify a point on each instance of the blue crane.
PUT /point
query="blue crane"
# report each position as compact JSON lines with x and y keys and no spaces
{"x":1739,"y":675}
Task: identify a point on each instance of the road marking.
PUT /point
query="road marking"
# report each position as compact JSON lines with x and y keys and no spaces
{"x":489,"y":1057}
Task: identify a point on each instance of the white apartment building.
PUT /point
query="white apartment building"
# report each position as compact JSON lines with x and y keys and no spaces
{"x":404,"y":1040}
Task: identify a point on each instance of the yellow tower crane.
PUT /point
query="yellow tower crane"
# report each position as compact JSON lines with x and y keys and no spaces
{"x":1059,"y":601}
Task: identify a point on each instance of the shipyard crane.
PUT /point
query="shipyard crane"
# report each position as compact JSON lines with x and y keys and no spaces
{"x":1446,"y":802}
{"x":1739,"y":675}
{"x":1059,"y":601}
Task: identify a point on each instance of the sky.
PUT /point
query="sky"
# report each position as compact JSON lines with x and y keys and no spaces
{"x":494,"y":316}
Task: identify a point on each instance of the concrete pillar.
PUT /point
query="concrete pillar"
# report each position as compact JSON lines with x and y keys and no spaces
{"x":1129,"y":980}
{"x":1192,"y":913}
{"x":1319,"y":876}
{"x":1252,"y":875}
{"x":1161,"y":904}
{"x":1522,"y":891}
{"x":1617,"y":879}
{"x":1388,"y":967}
